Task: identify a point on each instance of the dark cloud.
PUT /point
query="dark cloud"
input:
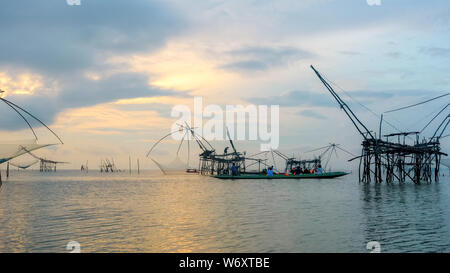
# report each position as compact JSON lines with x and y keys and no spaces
{"x":53,"y":36}
{"x":311,"y":114}
{"x":263,"y":58}
{"x":118,"y":86}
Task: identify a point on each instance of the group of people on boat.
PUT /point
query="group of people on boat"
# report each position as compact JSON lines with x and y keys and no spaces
{"x":299,"y":170}
{"x":295,"y":171}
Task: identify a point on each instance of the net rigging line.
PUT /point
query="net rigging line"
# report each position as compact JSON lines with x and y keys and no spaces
{"x":416,"y":104}
{"x":362,"y":105}
{"x":24,"y":165}
{"x":434,"y":117}
{"x":342,"y":149}
{"x":336,"y":146}
{"x":328,"y":152}
{"x":423,"y":102}
{"x":16,"y":108}
{"x":426,"y":117}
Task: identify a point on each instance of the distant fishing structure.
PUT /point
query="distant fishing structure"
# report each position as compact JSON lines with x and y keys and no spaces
{"x":210,"y":162}
{"x":397,"y":160}
{"x":46,"y":165}
{"x":294,"y":165}
{"x":185,"y":139}
{"x":108,"y":166}
{"x":9,"y":151}
{"x":85,"y":168}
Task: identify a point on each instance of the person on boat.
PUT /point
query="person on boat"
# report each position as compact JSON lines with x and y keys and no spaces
{"x":233,"y":170}
{"x":294,"y":171}
{"x":270,"y":171}
{"x":319,"y":169}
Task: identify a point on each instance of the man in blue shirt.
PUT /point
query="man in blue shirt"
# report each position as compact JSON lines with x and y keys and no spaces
{"x":319,"y":169}
{"x":233,"y":170}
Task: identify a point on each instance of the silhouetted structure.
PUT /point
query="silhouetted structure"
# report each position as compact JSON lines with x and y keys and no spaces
{"x":396,"y":160}
{"x":108,"y":166}
{"x":11,"y":151}
{"x":210,"y":162}
{"x":46,"y":165}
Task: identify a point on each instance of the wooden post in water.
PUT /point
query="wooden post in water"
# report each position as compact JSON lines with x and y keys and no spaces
{"x":129,"y":163}
{"x":138,"y":166}
{"x":7,"y":170}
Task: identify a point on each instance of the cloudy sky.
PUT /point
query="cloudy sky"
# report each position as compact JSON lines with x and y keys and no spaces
{"x":106,"y":74}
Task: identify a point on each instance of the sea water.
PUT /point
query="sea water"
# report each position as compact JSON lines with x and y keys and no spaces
{"x":151,"y":212}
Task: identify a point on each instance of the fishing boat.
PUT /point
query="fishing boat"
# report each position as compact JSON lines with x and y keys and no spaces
{"x":282,"y":176}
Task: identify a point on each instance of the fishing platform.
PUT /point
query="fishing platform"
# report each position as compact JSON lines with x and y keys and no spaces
{"x":388,"y":160}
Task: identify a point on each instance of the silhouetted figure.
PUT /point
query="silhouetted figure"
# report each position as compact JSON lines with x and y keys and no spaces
{"x":319,"y":169}
{"x":233,"y":170}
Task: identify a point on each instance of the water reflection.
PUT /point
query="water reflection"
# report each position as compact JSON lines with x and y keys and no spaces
{"x":406,"y":217}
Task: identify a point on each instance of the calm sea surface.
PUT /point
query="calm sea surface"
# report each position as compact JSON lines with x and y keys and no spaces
{"x":187,"y":212}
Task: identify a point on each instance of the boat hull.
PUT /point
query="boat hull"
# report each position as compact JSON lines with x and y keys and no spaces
{"x":329,"y":175}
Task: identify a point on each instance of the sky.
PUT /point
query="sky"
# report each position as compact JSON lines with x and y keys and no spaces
{"x":105,"y":74}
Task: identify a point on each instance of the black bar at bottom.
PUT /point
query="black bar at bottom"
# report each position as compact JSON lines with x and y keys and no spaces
{"x":195,"y":262}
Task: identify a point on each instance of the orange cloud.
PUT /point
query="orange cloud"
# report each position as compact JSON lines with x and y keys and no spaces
{"x":161,"y":100}
{"x":106,"y":119}
{"x":180,"y":66}
{"x":21,"y":84}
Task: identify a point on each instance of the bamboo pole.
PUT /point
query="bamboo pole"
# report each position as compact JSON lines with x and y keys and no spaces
{"x":138,"y":166}
{"x":129,"y":163}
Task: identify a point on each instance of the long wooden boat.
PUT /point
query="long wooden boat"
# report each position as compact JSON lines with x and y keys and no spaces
{"x":328,"y":175}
